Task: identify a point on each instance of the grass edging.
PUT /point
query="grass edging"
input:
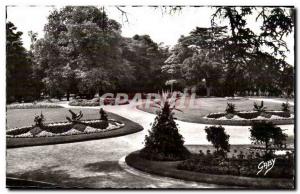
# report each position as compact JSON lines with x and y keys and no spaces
{"x":168,"y":169}
{"x":129,"y":128}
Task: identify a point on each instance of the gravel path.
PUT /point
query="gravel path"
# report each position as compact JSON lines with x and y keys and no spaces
{"x":95,"y":164}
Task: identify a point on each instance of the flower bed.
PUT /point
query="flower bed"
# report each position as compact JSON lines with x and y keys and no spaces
{"x":32,"y":105}
{"x":247,"y":117}
{"x":172,"y":170}
{"x":96,"y":102}
{"x":63,"y":129}
{"x":247,"y":167}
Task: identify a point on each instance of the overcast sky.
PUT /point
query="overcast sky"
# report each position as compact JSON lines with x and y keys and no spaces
{"x":142,"y":20}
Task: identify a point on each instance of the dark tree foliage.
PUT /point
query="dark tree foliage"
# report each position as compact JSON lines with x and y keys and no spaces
{"x":80,"y":52}
{"x":164,"y":141}
{"x":268,"y":134}
{"x":146,"y":58}
{"x":218,"y":137}
{"x":20,"y":85}
{"x":245,"y":50}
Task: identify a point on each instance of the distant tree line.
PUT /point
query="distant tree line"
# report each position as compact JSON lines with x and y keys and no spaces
{"x":83,"y":53}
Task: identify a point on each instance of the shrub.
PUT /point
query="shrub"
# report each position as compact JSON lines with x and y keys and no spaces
{"x":259,"y":108}
{"x":39,"y":120}
{"x":103,"y":115}
{"x":218,"y":137}
{"x":285,"y":107}
{"x":230,"y":109}
{"x":103,"y":118}
{"x":75,"y":117}
{"x":164,"y":141}
{"x":268,"y":134}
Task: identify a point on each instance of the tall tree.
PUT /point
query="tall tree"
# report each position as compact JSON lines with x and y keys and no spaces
{"x":18,"y":71}
{"x":83,"y":40}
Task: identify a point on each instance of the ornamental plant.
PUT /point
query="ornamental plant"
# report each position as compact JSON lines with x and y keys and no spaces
{"x":103,"y":115}
{"x":259,"y":108}
{"x":218,"y":137}
{"x":285,"y":107}
{"x":74,"y":117}
{"x":103,"y":118}
{"x":230,"y":109}
{"x":39,"y":120}
{"x":268,"y":134}
{"x":164,"y":141}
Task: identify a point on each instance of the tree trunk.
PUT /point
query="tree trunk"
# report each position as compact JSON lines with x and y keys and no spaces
{"x":208,"y":91}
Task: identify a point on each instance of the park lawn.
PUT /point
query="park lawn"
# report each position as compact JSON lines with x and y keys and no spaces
{"x":205,"y":106}
{"x":25,"y":117}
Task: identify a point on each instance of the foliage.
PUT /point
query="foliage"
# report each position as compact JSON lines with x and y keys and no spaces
{"x":103,"y":115}
{"x":259,"y":108}
{"x":268,"y":134}
{"x":39,"y":120}
{"x":285,"y":107}
{"x":241,"y":166}
{"x":230,"y":109}
{"x":164,"y":141}
{"x":218,"y":137}
{"x":103,"y":118}
{"x":75,"y":117}
{"x":19,"y":83}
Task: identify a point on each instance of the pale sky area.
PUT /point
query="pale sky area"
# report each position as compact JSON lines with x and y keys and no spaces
{"x":142,"y":20}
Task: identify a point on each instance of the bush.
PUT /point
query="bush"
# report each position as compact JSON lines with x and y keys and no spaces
{"x":230,"y":109}
{"x":164,"y":141}
{"x":39,"y":120}
{"x":268,"y":134}
{"x":285,"y":107}
{"x":103,"y":118}
{"x":218,"y":137}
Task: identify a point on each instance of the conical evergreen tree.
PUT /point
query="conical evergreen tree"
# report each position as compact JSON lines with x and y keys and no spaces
{"x":164,"y":141}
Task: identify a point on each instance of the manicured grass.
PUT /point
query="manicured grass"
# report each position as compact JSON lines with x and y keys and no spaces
{"x":205,"y":106}
{"x":169,"y":169}
{"x":25,"y":117}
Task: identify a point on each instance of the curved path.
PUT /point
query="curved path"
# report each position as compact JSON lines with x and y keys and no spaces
{"x":95,"y":164}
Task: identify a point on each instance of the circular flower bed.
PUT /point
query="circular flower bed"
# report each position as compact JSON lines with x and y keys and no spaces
{"x":247,"y":117}
{"x":64,"y":129}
